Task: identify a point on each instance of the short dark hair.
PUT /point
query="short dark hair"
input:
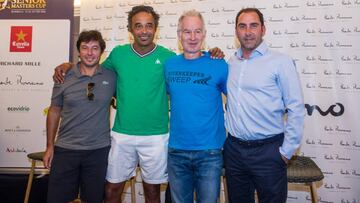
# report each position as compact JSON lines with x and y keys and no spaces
{"x":91,"y":35}
{"x":248,"y":10}
{"x":141,"y":8}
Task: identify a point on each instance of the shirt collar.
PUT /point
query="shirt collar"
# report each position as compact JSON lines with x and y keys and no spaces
{"x":78,"y":74}
{"x":259,"y":51}
{"x":143,"y":55}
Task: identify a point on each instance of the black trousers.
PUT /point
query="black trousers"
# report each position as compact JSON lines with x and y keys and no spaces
{"x":168,"y":194}
{"x":258,"y":165}
{"x":74,"y":169}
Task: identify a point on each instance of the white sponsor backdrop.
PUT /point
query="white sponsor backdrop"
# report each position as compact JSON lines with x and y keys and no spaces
{"x":26,"y":85}
{"x":323,"y":37}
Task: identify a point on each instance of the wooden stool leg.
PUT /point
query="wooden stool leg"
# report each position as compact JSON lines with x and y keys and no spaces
{"x":225,"y":190}
{"x":133,"y":192}
{"x":30,"y":180}
{"x":313,"y":192}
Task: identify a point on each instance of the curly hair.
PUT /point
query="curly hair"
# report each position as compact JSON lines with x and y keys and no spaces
{"x":91,"y":35}
{"x":141,"y":8}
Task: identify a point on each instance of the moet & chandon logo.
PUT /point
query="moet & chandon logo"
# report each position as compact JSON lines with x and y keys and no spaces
{"x":21,"y":39}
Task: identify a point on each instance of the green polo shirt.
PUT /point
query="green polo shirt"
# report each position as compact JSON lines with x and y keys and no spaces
{"x":142,"y":104}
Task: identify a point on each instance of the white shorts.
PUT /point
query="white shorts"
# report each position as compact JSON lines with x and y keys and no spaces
{"x":127,"y":152}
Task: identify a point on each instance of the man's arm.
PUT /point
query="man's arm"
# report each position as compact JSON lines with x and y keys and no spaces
{"x":52,"y":124}
{"x":60,"y":72}
{"x":293,"y":100}
{"x":216,"y":53}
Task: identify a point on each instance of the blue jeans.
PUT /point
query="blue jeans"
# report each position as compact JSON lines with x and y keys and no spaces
{"x":198,"y":171}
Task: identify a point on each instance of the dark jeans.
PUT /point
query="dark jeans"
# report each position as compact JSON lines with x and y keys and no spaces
{"x":168,"y":194}
{"x":258,"y":165}
{"x":74,"y":169}
{"x":197,"y":171}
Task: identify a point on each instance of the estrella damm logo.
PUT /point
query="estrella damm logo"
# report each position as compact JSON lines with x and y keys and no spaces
{"x":331,"y":110}
{"x":21,"y":39}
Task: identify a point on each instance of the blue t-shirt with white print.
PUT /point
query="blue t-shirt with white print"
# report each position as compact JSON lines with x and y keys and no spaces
{"x":197,"y":116}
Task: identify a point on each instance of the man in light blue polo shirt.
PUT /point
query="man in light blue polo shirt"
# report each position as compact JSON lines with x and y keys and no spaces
{"x":262,"y":86}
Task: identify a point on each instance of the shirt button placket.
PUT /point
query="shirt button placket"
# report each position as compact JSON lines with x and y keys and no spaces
{"x":241,"y":75}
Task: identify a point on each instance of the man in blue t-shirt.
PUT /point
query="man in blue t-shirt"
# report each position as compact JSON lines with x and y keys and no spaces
{"x":197,"y":133}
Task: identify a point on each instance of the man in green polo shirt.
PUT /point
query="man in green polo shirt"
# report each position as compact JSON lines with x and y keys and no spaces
{"x":140,"y":132}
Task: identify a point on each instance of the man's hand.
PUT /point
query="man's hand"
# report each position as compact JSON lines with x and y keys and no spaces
{"x":285,"y":159}
{"x":60,"y":72}
{"x":216,"y":53}
{"x":48,"y":157}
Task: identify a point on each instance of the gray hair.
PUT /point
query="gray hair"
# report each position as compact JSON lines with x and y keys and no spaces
{"x":190,"y":13}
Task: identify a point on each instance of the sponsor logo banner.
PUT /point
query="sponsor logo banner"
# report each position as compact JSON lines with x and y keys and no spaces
{"x":23,"y":6}
{"x":21,"y":39}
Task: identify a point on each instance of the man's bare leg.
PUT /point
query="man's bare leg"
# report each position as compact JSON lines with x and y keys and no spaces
{"x":152,"y":192}
{"x":113,"y":192}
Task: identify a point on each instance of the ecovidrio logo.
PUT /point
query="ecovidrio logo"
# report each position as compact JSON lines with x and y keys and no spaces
{"x":18,"y":109}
